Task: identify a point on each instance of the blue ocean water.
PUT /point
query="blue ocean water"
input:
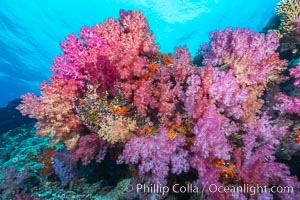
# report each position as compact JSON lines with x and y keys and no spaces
{"x":30,"y":31}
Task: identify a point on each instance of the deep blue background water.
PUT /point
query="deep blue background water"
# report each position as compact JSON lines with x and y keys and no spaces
{"x":30,"y":30}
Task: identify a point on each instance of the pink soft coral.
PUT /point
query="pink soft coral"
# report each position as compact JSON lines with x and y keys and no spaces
{"x":158,"y":92}
{"x":161,"y":88}
{"x":190,"y":100}
{"x":182,"y":67}
{"x":253,"y":59}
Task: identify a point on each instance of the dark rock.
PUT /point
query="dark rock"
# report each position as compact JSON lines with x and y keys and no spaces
{"x":11,"y":118}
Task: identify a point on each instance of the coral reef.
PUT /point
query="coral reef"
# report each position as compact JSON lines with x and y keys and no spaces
{"x":115,"y":98}
{"x":13,"y":180}
{"x":20,"y":151}
{"x":289,"y":10}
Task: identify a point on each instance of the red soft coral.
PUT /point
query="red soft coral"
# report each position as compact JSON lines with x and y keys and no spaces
{"x":129,"y":38}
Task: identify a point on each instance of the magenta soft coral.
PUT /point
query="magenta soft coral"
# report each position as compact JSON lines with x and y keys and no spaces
{"x":69,"y":65}
{"x":90,"y":147}
{"x":213,"y":86}
{"x":189,"y":97}
{"x":261,"y":169}
{"x":84,"y":60}
{"x":260,"y":133}
{"x":107,"y":51}
{"x":287,"y":104}
{"x":78,"y":52}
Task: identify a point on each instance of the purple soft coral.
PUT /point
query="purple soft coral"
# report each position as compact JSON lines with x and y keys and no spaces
{"x":251,"y":55}
{"x":289,"y":104}
{"x":298,"y":25}
{"x":295,"y":72}
{"x":12,"y":180}
{"x":210,"y":132}
{"x":228,"y":94}
{"x":154,"y":155}
{"x":194,"y":82}
{"x":64,"y":166}
{"x":255,"y":162}
{"x":261,"y":133}
{"x":210,"y":145}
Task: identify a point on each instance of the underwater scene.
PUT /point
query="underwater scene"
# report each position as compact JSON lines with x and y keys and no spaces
{"x":150,"y":100}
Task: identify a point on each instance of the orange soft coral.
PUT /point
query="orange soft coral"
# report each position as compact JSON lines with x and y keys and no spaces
{"x":54,"y":110}
{"x":118,"y":129}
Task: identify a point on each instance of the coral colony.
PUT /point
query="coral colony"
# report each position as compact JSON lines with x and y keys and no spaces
{"x":215,"y":125}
